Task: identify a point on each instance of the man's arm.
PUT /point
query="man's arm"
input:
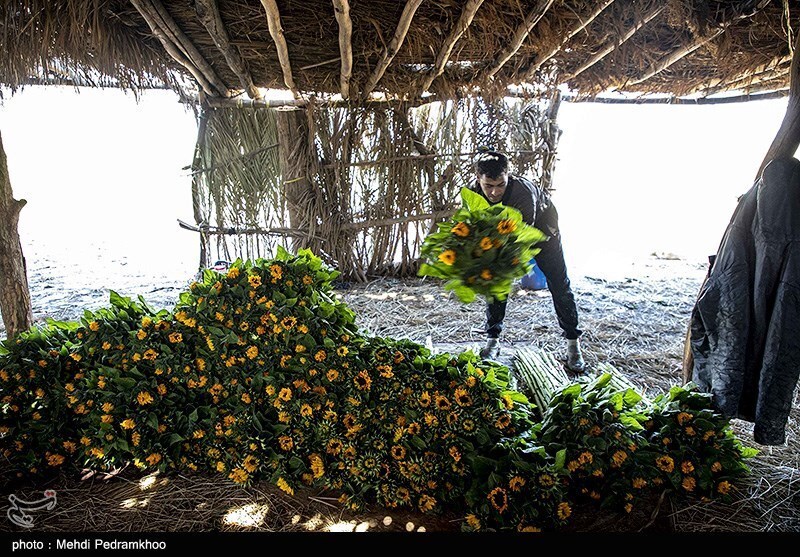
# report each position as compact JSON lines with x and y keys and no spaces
{"x":523,"y":198}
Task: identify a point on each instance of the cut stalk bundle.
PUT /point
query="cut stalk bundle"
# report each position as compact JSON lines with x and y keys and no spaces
{"x":619,"y":382}
{"x":541,"y":376}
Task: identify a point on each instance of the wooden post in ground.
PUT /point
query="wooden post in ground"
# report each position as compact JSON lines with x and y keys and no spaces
{"x":788,"y":138}
{"x":296,"y":159}
{"x":15,"y":298}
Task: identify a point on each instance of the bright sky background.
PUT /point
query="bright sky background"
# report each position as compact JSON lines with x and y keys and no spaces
{"x":104,"y":181}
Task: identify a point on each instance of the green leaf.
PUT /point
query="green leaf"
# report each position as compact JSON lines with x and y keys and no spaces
{"x":630,"y":422}
{"x":193,"y":415}
{"x":473,"y":201}
{"x":152,"y":420}
{"x":561,"y":458}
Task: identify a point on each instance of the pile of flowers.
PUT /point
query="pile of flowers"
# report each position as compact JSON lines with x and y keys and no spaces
{"x":481,"y":249}
{"x":618,"y":449}
{"x":260,"y":373}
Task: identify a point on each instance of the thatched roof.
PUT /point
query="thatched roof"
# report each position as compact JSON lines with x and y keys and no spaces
{"x":401,"y":47}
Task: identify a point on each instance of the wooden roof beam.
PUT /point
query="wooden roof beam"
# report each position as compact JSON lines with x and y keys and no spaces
{"x":686,"y":50}
{"x":342,"y":10}
{"x":208,"y":81}
{"x":464,"y":21}
{"x":718,"y":84}
{"x":521,"y":33}
{"x":208,"y":13}
{"x":672,"y":58}
{"x":276,"y":31}
{"x":394,"y":45}
{"x":611,"y":47}
{"x":580,"y":26}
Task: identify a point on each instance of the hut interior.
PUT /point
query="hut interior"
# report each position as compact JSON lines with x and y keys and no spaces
{"x":349,"y":126}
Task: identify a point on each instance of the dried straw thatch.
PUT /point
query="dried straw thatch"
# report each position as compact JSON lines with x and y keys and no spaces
{"x":379,"y":177}
{"x":449,"y":48}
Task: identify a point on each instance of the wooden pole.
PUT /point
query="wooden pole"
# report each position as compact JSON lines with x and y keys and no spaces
{"x":342,"y":9}
{"x":610,"y":47}
{"x":276,"y":31}
{"x":518,"y":37}
{"x":788,"y":137}
{"x":296,"y":162}
{"x":15,"y":297}
{"x":208,"y":13}
{"x":580,"y":26}
{"x":467,"y":14}
{"x":394,"y":45}
{"x":176,"y":54}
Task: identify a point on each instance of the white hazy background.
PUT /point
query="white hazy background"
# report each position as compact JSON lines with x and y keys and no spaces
{"x":102,"y":174}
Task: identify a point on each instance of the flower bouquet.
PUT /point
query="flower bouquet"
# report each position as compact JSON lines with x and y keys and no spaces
{"x":481,"y":250}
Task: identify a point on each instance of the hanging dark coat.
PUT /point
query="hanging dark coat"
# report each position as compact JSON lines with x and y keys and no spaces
{"x":745,"y":326}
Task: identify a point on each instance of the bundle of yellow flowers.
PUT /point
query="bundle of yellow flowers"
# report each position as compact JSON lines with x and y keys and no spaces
{"x":481,"y":250}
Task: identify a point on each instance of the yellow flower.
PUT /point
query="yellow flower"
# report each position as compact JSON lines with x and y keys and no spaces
{"x":716,"y":467}
{"x":106,"y":418}
{"x":486,"y":244}
{"x":426,"y":503}
{"x":508,"y":404}
{"x":499,"y":499}
{"x":246,"y":398}
{"x":506,"y":226}
{"x":220,"y":466}
{"x":683,"y":417}
{"x":546,"y":480}
{"x":285,"y":394}
{"x":342,"y":351}
{"x":486,"y":274}
{"x":618,"y":458}
{"x":306,"y":410}
{"x":448,"y":257}
{"x":127,"y":424}
{"x":564,"y":510}
{"x":690,"y":431}
{"x":175,"y":337}
{"x":317,"y":465}
{"x":254,"y":280}
{"x":665,"y":464}
{"x":144,"y":398}
{"x":473,"y":522}
{"x":724,"y":487}
{"x":233,"y":273}
{"x":639,"y":483}
{"x":516,"y":483}
{"x":283,"y":485}
{"x":135,"y":439}
{"x":107,"y":407}
{"x":94,"y":326}
{"x":687,"y":467}
{"x":628,"y":507}
{"x":76,"y":357}
{"x":398,"y":452}
{"x":250,"y":463}
{"x":688,"y":483}
{"x":460,"y":229}
{"x":55,"y":460}
{"x":238,"y":475}
{"x":153,"y":459}
{"x":286,"y":443}
{"x":141,"y":335}
{"x":363,"y":381}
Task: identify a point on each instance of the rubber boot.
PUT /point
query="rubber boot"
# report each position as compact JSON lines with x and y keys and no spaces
{"x":491,"y":350}
{"x":575,"y":361}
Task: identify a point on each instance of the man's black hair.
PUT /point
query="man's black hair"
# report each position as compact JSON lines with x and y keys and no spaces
{"x":491,"y":164}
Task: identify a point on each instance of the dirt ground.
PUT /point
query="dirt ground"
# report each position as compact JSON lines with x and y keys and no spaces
{"x":633,"y":317}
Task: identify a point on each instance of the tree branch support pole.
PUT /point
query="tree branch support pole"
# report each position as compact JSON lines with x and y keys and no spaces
{"x":788,"y":138}
{"x":296,"y":162}
{"x":15,"y":297}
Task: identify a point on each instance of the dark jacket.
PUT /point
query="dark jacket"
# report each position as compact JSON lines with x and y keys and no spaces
{"x":745,"y":326}
{"x":525,"y":196}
